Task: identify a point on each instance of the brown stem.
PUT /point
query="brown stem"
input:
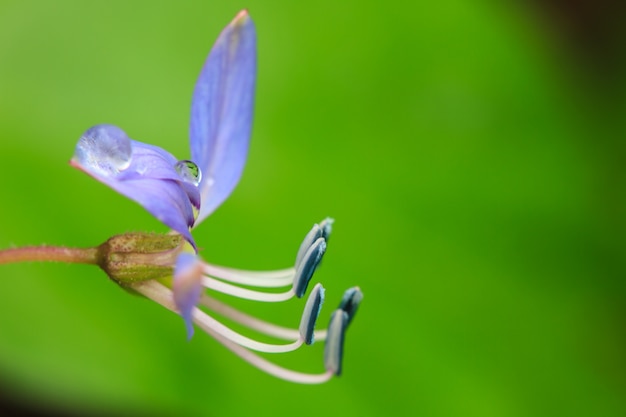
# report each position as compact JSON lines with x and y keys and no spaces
{"x":49,"y":253}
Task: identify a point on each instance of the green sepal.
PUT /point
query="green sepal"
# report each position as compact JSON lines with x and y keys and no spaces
{"x":136,"y":257}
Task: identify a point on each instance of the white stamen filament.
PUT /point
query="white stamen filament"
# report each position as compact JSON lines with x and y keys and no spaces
{"x":264,"y":279}
{"x":271,"y":368}
{"x":209,"y":324}
{"x":252,"y":322}
{"x":163,"y":295}
{"x":233,"y":290}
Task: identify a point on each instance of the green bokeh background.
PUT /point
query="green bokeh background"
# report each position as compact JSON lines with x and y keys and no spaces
{"x":474,"y":170}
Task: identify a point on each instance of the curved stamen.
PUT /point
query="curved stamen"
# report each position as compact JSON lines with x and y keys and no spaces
{"x":308,"y":257}
{"x":271,"y":368}
{"x":251,"y":322}
{"x":208,"y":323}
{"x":244,"y":293}
{"x":307,"y":326}
{"x":247,"y":320}
{"x":261,"y":279}
{"x":162,"y":295}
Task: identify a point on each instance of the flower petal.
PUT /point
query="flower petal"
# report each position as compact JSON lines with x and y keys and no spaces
{"x":221,"y":112}
{"x":187,"y":287}
{"x":143,"y":173}
{"x":150,"y":161}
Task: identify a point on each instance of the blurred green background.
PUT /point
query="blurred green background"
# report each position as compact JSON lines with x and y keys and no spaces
{"x":471,"y":154}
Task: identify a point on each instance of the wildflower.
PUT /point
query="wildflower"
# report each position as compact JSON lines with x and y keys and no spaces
{"x":182,"y":193}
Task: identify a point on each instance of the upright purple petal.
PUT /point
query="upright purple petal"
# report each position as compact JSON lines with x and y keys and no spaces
{"x":187,"y":287}
{"x":221,"y":112}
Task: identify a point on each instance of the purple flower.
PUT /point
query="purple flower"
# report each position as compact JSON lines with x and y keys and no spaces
{"x":221,"y":121}
{"x":182,"y":193}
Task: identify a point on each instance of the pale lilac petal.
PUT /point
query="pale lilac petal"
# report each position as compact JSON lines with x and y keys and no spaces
{"x":141,"y":172}
{"x":221,"y":112}
{"x":150,"y":161}
{"x":187,"y":287}
{"x":164,"y":199}
{"x":193,"y":194}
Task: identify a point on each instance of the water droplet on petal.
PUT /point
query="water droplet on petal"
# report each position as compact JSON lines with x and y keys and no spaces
{"x":189,"y":171}
{"x":105,"y":149}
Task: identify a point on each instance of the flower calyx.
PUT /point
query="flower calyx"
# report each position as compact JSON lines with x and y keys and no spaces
{"x":134,"y":257}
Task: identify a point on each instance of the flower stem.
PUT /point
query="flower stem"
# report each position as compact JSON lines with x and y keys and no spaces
{"x":49,"y":253}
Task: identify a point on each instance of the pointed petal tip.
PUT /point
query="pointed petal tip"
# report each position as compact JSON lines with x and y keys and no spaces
{"x":240,"y":22}
{"x":75,"y":163}
{"x":189,"y":326}
{"x":241,"y":17}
